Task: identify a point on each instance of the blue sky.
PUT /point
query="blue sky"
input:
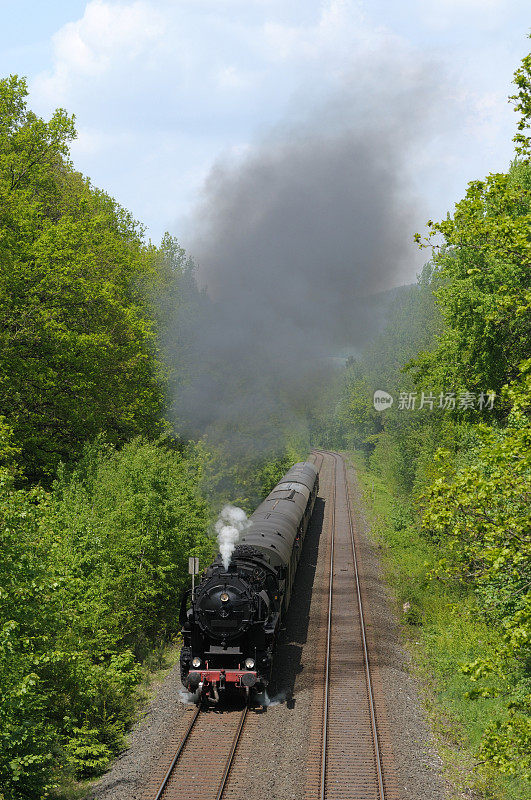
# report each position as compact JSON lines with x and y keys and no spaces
{"x":164,"y":90}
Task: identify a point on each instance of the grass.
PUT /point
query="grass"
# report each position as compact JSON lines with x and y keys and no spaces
{"x":443,"y":629}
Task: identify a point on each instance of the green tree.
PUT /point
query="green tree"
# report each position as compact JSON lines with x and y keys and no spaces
{"x":77,"y":346}
{"x":90,"y":581}
{"x":476,"y":509}
{"x":482,"y":266}
{"x":485,"y":296}
{"x":522,"y":105}
{"x":126,"y":522}
{"x":479,"y":516}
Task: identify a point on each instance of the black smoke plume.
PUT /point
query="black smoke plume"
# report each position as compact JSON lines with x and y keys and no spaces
{"x":292,"y":240}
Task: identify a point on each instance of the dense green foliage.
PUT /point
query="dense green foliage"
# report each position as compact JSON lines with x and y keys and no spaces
{"x":91,"y":577}
{"x":444,"y":627}
{"x":93,"y":563}
{"x":100,"y":507}
{"x":77,"y":345}
{"x":485,"y":286}
{"x":460,"y":463}
{"x":478,"y":514}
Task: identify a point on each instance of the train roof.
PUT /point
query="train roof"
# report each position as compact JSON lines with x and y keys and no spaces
{"x":302,"y":472}
{"x":274,"y":524}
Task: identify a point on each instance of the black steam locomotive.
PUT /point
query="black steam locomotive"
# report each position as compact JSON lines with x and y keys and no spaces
{"x":231,"y":623}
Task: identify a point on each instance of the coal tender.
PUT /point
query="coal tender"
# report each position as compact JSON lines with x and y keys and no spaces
{"x":231,"y":624}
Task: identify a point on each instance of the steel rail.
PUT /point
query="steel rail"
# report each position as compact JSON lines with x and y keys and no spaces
{"x":228,"y":762}
{"x":178,"y":752}
{"x":230,"y":757}
{"x":366,"y":659}
{"x":328,"y":640}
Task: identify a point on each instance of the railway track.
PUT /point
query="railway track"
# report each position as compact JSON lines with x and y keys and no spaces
{"x":203,"y":758}
{"x":344,"y":759}
{"x":345,"y":750}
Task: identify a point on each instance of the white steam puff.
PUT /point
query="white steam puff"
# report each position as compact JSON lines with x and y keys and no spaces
{"x":231,"y":522}
{"x":188,"y":698}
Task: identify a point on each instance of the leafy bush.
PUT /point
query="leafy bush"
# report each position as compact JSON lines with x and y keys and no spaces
{"x":479,"y":515}
{"x":90,"y":582}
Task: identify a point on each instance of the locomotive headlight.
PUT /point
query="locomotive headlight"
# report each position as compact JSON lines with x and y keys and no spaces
{"x":249,"y":663}
{"x":224,"y":597}
{"x":196,"y":662}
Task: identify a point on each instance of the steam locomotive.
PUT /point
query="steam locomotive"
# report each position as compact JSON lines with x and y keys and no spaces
{"x":231,"y":623}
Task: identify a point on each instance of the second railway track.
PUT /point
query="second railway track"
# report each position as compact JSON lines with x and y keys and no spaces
{"x":346,"y":759}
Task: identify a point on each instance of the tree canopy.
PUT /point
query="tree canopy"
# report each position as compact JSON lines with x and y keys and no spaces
{"x":77,"y":346}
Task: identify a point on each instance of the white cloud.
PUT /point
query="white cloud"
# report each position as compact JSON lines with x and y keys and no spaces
{"x":91,"y":142}
{"x":162,"y":88}
{"x":443,"y":14}
{"x":339,"y":28}
{"x":461,"y":5}
{"x":488,"y":122}
{"x":107,"y":34}
{"x":232,"y":78}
